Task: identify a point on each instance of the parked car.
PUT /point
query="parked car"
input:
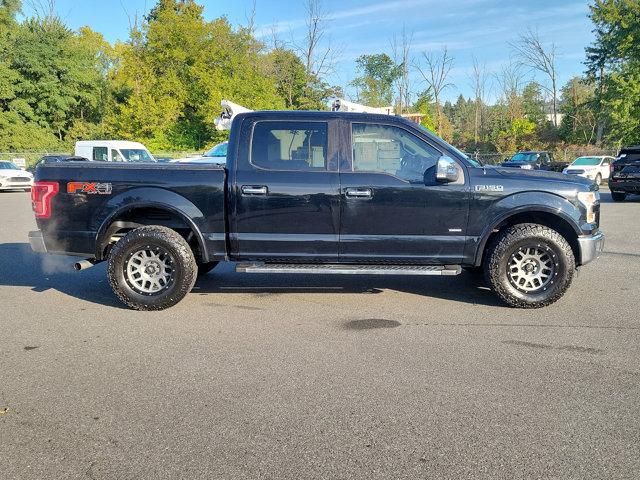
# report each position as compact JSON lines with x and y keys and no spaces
{"x":534,"y":160}
{"x":624,"y":178}
{"x":113,"y":151}
{"x":217,"y":155}
{"x":318,"y":193}
{"x":594,"y":168}
{"x":13,"y":177}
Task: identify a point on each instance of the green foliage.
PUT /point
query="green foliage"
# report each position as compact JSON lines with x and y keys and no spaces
{"x":613,"y":63}
{"x":424,"y":106}
{"x":375,"y":85}
{"x":579,"y":117}
{"x":533,"y":104}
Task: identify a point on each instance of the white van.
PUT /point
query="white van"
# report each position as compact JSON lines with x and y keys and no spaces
{"x":113,"y":151}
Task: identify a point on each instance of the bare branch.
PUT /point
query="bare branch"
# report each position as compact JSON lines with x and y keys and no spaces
{"x":401,"y":50}
{"x":531,"y":52}
{"x":435,"y":75}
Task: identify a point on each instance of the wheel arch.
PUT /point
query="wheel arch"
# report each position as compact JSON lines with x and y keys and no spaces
{"x":541,"y":215}
{"x":142,"y":209}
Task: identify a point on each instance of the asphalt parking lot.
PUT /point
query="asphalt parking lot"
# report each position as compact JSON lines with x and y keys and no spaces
{"x":317,"y":377}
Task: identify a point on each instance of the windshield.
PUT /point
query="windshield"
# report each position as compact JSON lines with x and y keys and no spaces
{"x":587,"y":161}
{"x":136,"y":155}
{"x":219,"y":150}
{"x":8,"y":166}
{"x":473,"y":162}
{"x":524,"y":157}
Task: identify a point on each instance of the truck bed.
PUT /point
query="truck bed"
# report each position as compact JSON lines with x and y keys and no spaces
{"x":97,"y":192}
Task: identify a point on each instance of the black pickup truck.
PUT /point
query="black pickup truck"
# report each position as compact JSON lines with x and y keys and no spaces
{"x":535,"y":160}
{"x":624,"y":178}
{"x":320,"y":193}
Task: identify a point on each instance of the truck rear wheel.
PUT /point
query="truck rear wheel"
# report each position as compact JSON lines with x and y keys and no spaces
{"x":529,"y":265}
{"x":151,"y":268}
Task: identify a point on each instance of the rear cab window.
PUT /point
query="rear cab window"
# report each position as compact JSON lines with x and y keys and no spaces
{"x":289,"y":145}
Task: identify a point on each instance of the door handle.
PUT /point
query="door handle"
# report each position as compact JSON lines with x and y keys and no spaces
{"x":253,"y":190}
{"x":359,"y":192}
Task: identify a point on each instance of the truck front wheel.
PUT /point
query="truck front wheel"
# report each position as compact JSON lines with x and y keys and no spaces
{"x":151,"y":268}
{"x":529,"y":265}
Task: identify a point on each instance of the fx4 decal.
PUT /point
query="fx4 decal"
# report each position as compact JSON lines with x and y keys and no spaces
{"x":91,"y":188}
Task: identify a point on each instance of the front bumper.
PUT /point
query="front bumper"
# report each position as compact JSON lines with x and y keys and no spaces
{"x":37,"y":242}
{"x":591,"y":247}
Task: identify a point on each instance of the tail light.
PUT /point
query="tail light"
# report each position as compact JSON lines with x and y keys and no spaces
{"x":41,"y":195}
{"x":611,"y":168}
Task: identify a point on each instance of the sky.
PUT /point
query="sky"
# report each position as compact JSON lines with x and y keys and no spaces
{"x":468,"y":28}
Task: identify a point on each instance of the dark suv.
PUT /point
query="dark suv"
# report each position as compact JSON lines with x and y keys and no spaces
{"x":624,"y":178}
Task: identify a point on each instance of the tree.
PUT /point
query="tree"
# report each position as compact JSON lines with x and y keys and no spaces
{"x":479,"y":79}
{"x":613,"y":63}
{"x":401,"y":56}
{"x":174,"y":71}
{"x":532,"y":52}
{"x":375,"y":84}
{"x":317,"y":53}
{"x":533,"y":104}
{"x":579,"y":120}
{"x":424,"y":106}
{"x":435,"y":74}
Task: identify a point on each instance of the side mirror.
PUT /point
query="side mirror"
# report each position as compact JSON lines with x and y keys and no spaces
{"x":447,"y":171}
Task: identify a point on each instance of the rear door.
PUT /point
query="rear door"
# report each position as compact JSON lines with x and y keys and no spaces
{"x":286,"y":190}
{"x":393,"y":208}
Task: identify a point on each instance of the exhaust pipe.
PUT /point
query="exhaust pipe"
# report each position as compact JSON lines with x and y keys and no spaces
{"x":84,"y":264}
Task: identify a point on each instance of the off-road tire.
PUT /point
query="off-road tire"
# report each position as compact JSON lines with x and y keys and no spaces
{"x":618,"y":196}
{"x":507,"y":242}
{"x":183,"y":262}
{"x":204,"y":268}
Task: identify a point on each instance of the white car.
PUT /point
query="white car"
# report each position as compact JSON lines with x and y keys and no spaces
{"x":594,"y":168}
{"x":217,"y":155}
{"x":113,"y":151}
{"x":13,"y":177}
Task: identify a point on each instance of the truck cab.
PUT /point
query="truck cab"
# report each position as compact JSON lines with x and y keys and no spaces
{"x":113,"y":151}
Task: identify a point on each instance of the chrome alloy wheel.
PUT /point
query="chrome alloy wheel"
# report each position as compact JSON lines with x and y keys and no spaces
{"x":532,"y":268}
{"x":149,"y":270}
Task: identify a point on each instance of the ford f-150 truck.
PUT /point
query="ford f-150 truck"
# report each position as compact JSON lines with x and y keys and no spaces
{"x":320,"y":193}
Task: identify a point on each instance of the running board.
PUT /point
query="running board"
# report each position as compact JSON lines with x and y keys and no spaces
{"x":337,"y":269}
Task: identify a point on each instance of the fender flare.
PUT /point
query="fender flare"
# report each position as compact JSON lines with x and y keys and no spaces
{"x":151,"y":197}
{"x":536,"y":208}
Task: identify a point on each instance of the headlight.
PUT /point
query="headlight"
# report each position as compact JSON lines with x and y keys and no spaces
{"x":564,"y":171}
{"x":526,"y":166}
{"x":589,"y":200}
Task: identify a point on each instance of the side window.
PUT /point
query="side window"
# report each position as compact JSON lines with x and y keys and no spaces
{"x":115,"y":156}
{"x":100,"y":154}
{"x":289,"y":145}
{"x":392,"y":150}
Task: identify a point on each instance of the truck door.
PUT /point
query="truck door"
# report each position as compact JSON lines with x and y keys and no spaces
{"x":285,"y":193}
{"x":393,"y":208}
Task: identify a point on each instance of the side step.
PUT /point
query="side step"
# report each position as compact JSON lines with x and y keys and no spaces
{"x":338,"y":269}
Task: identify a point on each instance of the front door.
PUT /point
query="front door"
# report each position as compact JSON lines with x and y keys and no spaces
{"x":393,"y":209}
{"x":287,"y":192}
